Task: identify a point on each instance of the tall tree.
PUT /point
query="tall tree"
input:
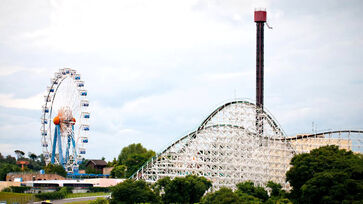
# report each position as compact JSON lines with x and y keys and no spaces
{"x":326,"y":175}
{"x":32,"y":156}
{"x":19,"y":154}
{"x":133,"y":157}
{"x":133,"y":149}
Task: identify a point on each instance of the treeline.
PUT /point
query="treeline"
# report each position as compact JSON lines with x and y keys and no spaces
{"x":8,"y":163}
{"x":192,"y":189}
{"x":128,"y":161}
{"x":325,"y":175}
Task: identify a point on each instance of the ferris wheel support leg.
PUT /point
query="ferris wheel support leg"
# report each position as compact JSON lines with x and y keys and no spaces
{"x":67,"y":149}
{"x":74,"y":167}
{"x":74,"y":144}
{"x":54,"y":144}
{"x":60,"y":152}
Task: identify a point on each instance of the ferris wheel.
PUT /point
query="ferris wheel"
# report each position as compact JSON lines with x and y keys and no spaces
{"x":64,"y":121}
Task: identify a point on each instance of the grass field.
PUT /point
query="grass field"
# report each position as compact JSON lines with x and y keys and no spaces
{"x":23,"y":198}
{"x":76,"y":195}
{"x":80,"y":202}
{"x":20,"y":198}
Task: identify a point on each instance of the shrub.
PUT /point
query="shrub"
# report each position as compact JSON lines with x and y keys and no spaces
{"x":6,"y":190}
{"x":53,"y":195}
{"x":19,"y":189}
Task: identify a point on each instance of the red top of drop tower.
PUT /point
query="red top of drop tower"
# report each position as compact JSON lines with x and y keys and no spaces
{"x":260,"y":15}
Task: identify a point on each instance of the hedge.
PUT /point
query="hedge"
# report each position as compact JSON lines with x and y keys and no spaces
{"x":19,"y":189}
{"x":53,"y":195}
{"x":6,"y":189}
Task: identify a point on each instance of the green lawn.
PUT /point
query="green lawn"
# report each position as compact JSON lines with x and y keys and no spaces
{"x":80,"y":202}
{"x":20,"y":198}
{"x":76,"y":195}
{"x":23,"y":198}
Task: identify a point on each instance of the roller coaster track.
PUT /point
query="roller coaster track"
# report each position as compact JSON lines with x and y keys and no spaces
{"x":229,"y":134}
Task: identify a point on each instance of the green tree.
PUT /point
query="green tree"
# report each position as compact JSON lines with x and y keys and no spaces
{"x":245,"y":198}
{"x":19,"y":154}
{"x":276,"y":189}
{"x":133,"y":157}
{"x":113,"y":163}
{"x":133,"y":149}
{"x":134,"y":162}
{"x":55,"y":169}
{"x":189,"y":189}
{"x":131,"y":191}
{"x":326,"y":175}
{"x":249,"y":188}
{"x":277,"y":200}
{"x":277,"y":195}
{"x":223,"y":196}
{"x":6,"y":168}
{"x":82,"y":165}
{"x":160,"y":185}
{"x":41,"y":159}
{"x":119,"y":171}
{"x":32,"y":156}
{"x":90,"y":170}
{"x":10,"y":160}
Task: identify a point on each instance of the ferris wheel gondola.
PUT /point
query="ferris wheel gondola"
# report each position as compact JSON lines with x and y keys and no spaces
{"x":65,"y":120}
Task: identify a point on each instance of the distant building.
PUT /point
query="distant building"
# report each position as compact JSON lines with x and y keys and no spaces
{"x":107,"y":170}
{"x":96,"y":164}
{"x":104,"y":182}
{"x":78,"y":186}
{"x":31,"y":176}
{"x":304,"y":144}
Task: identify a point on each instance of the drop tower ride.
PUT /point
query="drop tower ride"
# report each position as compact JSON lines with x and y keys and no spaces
{"x":260,"y":19}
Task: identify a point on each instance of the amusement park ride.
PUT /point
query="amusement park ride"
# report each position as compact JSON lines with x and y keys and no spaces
{"x":65,"y":115}
{"x":237,"y":142}
{"x":240,"y":141}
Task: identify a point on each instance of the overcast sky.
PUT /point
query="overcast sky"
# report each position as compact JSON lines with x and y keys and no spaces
{"x":154,"y":69}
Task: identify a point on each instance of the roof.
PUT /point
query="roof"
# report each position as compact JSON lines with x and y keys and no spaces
{"x":97,"y":162}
